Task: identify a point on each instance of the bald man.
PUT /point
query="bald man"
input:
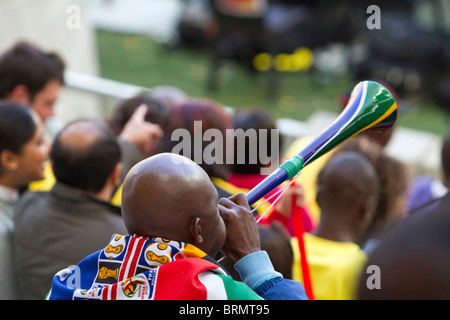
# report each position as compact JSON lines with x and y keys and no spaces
{"x":176,"y":226}
{"x":347,"y":195}
{"x":59,"y":228}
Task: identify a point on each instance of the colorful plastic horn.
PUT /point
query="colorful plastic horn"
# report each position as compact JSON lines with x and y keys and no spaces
{"x":371,"y":108}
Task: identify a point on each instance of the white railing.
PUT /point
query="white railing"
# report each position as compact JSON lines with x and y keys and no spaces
{"x":101,"y":86}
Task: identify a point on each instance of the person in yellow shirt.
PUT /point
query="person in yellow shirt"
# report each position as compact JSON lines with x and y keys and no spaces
{"x":348,"y":190}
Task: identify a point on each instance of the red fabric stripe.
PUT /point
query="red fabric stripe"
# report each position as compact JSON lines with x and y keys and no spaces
{"x":178,"y":280}
{"x":136,"y":256}
{"x":105,"y":293}
{"x":106,"y":290}
{"x":127,"y":258}
{"x":299,"y":230}
{"x":114,"y":292}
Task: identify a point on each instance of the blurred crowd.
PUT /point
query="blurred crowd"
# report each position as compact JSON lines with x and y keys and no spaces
{"x":62,"y":199}
{"x":404,"y":43}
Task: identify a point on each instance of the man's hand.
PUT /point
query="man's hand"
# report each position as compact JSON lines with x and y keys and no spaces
{"x":242,"y":232}
{"x":143,"y":134}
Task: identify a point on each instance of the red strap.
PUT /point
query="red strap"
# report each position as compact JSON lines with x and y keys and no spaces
{"x":299,"y":230}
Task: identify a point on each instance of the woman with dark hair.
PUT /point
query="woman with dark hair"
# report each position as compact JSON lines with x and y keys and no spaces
{"x":23,"y":153}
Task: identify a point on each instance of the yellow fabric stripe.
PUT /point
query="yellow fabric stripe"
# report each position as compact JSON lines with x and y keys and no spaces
{"x":45,"y":184}
{"x":117,"y":197}
{"x":192,"y":251}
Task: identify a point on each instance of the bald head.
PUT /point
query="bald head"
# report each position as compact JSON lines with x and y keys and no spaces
{"x":170,"y":196}
{"x":84,"y":154}
{"x":82,"y":134}
{"x":345,"y":180}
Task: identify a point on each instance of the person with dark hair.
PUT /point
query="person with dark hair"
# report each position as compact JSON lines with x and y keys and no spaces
{"x":30,"y":75}
{"x":157,"y":112}
{"x":60,"y":227}
{"x":23,"y":153}
{"x":136,"y":137}
{"x":176,"y":226}
{"x":85,"y":162}
{"x":156,"y":115}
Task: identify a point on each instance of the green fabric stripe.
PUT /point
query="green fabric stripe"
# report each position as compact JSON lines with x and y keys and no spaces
{"x":237,"y":290}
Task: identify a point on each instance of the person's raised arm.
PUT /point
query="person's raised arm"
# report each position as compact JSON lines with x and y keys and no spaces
{"x":141,"y":133}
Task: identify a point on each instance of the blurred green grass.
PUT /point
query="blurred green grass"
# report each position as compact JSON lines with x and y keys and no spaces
{"x":139,"y":60}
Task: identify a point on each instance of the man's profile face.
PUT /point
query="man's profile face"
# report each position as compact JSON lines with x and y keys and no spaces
{"x":44,"y":101}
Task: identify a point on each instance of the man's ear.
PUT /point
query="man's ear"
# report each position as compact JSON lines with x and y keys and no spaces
{"x":20,"y":94}
{"x":368,"y":205}
{"x":319,"y":195}
{"x":8,"y":160}
{"x":116,"y":175}
{"x":195,"y":230}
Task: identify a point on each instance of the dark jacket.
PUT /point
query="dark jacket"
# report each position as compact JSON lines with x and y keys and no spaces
{"x":56,"y":229}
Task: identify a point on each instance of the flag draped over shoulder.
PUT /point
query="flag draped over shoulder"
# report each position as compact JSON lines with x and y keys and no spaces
{"x":135,"y":267}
